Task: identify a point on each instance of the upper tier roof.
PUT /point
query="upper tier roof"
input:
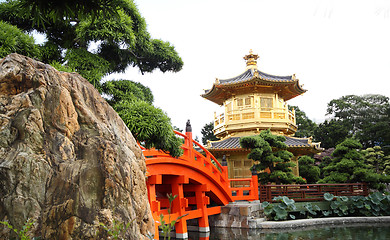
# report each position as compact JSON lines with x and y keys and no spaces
{"x":251,"y":73}
{"x":254,"y":81}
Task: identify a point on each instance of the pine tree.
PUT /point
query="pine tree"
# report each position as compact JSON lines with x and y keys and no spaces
{"x":347,"y":166}
{"x":207,"y":133}
{"x":272,"y":161}
{"x":374,"y":158}
{"x":308,"y":170}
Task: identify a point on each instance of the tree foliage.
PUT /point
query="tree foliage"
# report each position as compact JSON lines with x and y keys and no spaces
{"x":125,"y":90}
{"x":347,"y":166}
{"x":90,"y":66}
{"x":207,"y":133}
{"x":306,"y":126}
{"x":108,"y":36}
{"x":42,"y":11}
{"x":13,"y":40}
{"x":366,"y":117}
{"x":308,"y":170}
{"x":332,"y":132}
{"x":376,"y":160}
{"x":96,"y":38}
{"x":270,"y":157}
{"x":325,"y":161}
{"x":149,"y":125}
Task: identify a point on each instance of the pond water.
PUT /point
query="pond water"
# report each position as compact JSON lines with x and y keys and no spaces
{"x":340,"y":232}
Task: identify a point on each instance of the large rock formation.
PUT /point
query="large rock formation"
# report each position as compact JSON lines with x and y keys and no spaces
{"x":67,"y":161}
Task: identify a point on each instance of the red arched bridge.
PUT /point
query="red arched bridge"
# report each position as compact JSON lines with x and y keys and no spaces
{"x":198,"y":180}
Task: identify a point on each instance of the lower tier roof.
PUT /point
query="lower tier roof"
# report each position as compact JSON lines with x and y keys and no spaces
{"x":233,"y":143}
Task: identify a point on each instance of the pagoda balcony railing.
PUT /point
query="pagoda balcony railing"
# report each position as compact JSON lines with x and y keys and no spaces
{"x":248,"y":115}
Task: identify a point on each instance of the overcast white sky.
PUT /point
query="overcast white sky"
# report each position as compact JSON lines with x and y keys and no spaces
{"x":335,"y":48}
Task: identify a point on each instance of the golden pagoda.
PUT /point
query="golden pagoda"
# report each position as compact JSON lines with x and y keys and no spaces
{"x":254,"y":101}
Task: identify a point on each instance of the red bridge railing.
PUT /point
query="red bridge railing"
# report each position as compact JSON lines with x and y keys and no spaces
{"x":311,"y":192}
{"x":196,"y":178}
{"x":249,"y":190}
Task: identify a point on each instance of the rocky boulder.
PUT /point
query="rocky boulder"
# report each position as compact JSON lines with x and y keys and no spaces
{"x":67,"y":160}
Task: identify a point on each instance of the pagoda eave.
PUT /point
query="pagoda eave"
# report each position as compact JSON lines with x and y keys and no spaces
{"x":286,"y":90}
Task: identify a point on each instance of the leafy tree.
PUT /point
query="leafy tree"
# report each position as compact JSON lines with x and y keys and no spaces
{"x":366,"y":117}
{"x":177,"y":129}
{"x":387,"y":165}
{"x":125,"y":90}
{"x":347,"y":166}
{"x":43,"y":11}
{"x":325,"y":161}
{"x":13,"y":40}
{"x":95,"y":37}
{"x":375,"y":159}
{"x":207,"y":133}
{"x":332,"y":132}
{"x":308,"y":170}
{"x":306,"y":126}
{"x":149,"y":125}
{"x":270,"y":157}
{"x":90,"y":66}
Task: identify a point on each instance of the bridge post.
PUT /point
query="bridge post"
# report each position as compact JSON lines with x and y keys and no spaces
{"x":179,"y":205}
{"x":255,"y":182}
{"x":188,"y":141}
{"x":201,"y":203}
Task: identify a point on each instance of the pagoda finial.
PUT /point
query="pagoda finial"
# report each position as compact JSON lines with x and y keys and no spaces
{"x":251,"y":59}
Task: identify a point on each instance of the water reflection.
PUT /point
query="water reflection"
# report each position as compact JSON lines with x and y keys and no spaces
{"x":377,"y":231}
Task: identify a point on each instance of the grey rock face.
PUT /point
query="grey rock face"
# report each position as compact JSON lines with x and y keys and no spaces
{"x":67,"y":160}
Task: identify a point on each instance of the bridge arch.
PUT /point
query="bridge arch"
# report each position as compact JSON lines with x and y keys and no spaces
{"x":199,"y":182}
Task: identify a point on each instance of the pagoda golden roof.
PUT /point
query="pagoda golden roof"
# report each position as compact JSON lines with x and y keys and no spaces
{"x":252,"y":81}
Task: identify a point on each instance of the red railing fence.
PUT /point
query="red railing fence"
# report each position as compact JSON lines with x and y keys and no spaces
{"x":311,"y":192}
